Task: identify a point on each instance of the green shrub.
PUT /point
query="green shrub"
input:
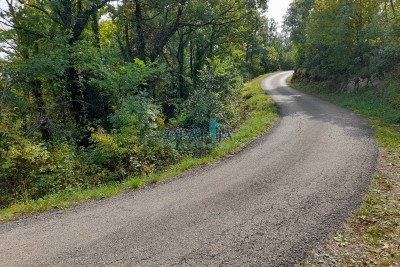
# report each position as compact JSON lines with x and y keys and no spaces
{"x":133,"y":147}
{"x":216,"y":96}
{"x":125,"y":155}
{"x":30,"y":170}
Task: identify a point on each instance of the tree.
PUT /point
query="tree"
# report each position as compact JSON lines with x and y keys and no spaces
{"x":89,"y":83}
{"x":338,"y":40}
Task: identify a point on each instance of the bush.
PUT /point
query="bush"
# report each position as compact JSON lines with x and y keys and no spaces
{"x":125,"y":155}
{"x":133,"y":147}
{"x":32,"y":170}
{"x":216,"y":96}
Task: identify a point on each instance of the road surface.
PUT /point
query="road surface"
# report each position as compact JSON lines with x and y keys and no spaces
{"x":266,"y":206}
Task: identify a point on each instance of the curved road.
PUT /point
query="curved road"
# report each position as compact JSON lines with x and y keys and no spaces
{"x":266,"y":206}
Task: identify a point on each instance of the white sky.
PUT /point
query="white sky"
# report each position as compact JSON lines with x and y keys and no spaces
{"x":277,"y":9}
{"x":3,"y":4}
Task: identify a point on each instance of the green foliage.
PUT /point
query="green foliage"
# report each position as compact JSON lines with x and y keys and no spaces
{"x":88,"y":86}
{"x":260,"y":118}
{"x":339,"y":40}
{"x":32,"y":170}
{"x":216,"y":96}
{"x":137,"y":115}
{"x":133,"y":147}
{"x":123,"y":155}
{"x":337,"y":43}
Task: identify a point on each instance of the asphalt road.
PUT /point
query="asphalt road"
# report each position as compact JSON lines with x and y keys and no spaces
{"x":266,"y":206}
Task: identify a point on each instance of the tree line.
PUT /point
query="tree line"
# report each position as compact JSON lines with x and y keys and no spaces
{"x":86,"y":86}
{"x":345,"y":40}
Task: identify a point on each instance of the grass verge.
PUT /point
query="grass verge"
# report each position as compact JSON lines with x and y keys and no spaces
{"x":371,"y":237}
{"x":262,"y":114}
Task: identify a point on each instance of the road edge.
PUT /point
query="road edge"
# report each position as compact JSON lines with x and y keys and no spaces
{"x":63,"y":200}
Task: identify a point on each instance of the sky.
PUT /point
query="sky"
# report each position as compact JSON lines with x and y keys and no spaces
{"x":3,"y":4}
{"x":277,"y":9}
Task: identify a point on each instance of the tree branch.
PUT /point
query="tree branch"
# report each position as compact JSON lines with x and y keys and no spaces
{"x":43,"y":10}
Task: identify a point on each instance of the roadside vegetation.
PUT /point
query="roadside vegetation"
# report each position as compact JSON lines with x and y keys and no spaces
{"x":258,"y":113}
{"x":89,"y":88}
{"x":348,"y":53}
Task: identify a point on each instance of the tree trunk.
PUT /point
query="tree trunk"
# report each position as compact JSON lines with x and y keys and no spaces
{"x":165,"y":35}
{"x":95,"y":28}
{"x":212,"y":42}
{"x":181,"y":65}
{"x":41,"y":107}
{"x":141,"y":45}
{"x":128,"y":48}
{"x":191,"y":49}
{"x":393,"y":8}
{"x":78,"y":106}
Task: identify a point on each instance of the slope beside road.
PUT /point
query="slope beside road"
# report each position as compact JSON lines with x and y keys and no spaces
{"x":266,"y":206}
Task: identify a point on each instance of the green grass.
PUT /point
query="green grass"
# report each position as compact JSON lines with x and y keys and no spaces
{"x":261,"y":116}
{"x":373,"y":104}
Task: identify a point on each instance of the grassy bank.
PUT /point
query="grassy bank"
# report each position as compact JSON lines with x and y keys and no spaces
{"x":371,"y":237}
{"x":375,"y":105}
{"x":262,"y":114}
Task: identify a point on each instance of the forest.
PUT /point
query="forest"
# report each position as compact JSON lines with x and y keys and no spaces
{"x":88,"y":88}
{"x":348,"y":44}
